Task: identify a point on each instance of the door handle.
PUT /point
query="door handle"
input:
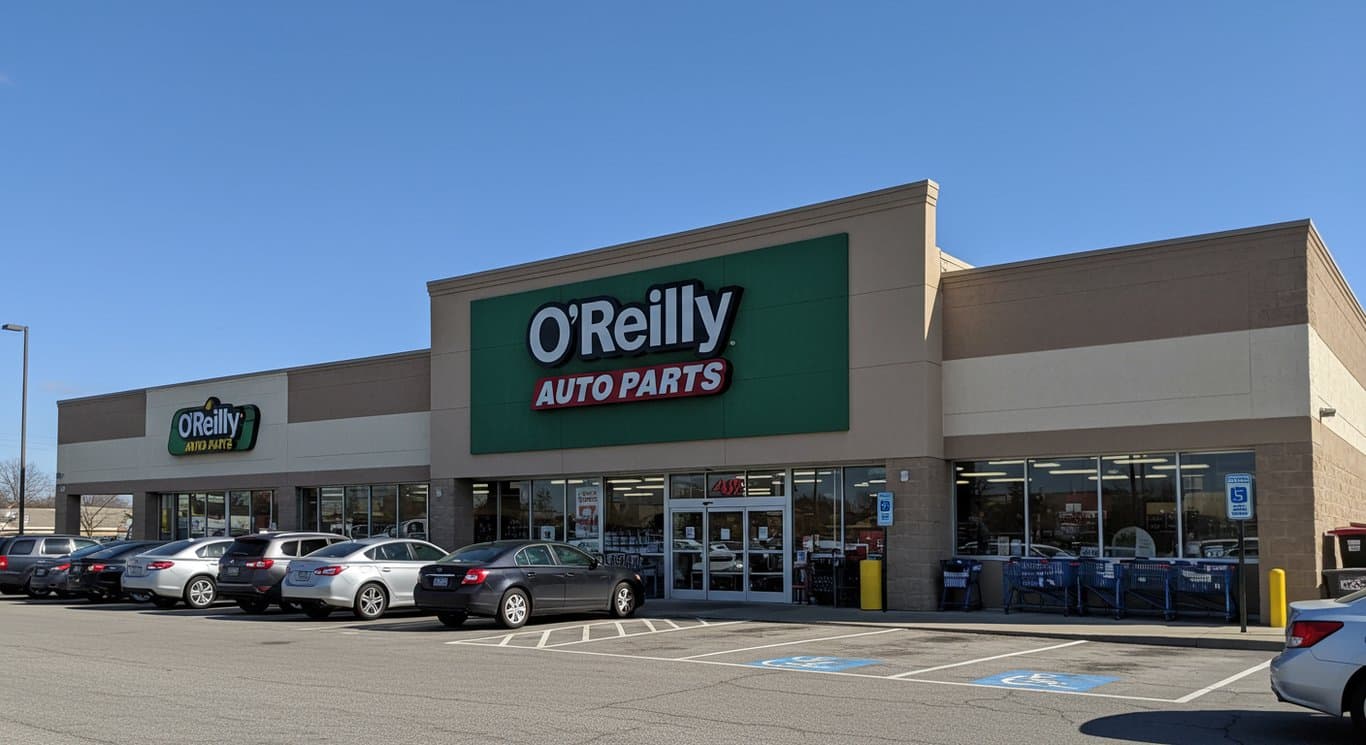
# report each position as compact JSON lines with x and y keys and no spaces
{"x":569,"y":574}
{"x":385,"y":569}
{"x":530,"y":574}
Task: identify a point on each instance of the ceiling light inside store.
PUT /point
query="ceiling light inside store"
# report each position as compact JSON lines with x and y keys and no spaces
{"x":861,"y":485}
{"x":1138,"y":460}
{"x":558,"y":482}
{"x":1109,"y":477}
{"x":1004,"y":462}
{"x":623,"y":481}
{"x":1037,"y":464}
{"x":760,"y":493}
{"x":1154,"y":475}
{"x":803,"y":473}
{"x":654,"y":479}
{"x":877,"y":481}
{"x":983,"y":474}
{"x":1073,"y":471}
{"x":637,"y":494}
{"x":963,"y":481}
{"x":1006,"y":481}
{"x":803,"y":481}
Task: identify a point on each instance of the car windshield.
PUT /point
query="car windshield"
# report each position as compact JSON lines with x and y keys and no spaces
{"x":169,"y":549}
{"x":345,"y":548}
{"x":88,"y":550}
{"x":479,"y":553}
{"x":1352,"y":598}
{"x":247,"y":547}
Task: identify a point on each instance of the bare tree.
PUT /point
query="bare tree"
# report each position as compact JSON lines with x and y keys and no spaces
{"x":37,"y":490}
{"x":97,"y":508}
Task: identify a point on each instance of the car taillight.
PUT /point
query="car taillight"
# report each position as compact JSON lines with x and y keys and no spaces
{"x":161,"y":565}
{"x":4,"y":562}
{"x":475,"y":577}
{"x":260,"y":564}
{"x":331,"y":571}
{"x":1305,"y":634}
{"x":61,"y":567}
{"x":97,"y":567}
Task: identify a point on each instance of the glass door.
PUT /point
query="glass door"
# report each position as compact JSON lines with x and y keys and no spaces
{"x":725,"y":554}
{"x":689,"y":567}
{"x":765,"y":555}
{"x":729,"y":552}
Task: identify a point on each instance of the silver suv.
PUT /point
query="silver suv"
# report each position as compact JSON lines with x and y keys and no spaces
{"x":255,"y":566}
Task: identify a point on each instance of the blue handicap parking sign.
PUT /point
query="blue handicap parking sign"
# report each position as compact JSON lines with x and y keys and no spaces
{"x":1038,"y":681}
{"x":820,"y":664}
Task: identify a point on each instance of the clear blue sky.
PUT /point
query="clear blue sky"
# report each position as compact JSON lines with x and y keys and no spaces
{"x":194,"y":190}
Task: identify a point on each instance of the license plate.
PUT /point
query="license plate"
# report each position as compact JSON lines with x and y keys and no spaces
{"x":302,"y":575}
{"x":441,"y":581}
{"x":41,"y":572}
{"x":232,"y":571}
{"x":136,"y":571}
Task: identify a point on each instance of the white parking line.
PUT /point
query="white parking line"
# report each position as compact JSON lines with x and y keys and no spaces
{"x":1230,"y":679}
{"x":586,"y":635}
{"x":641,"y":633}
{"x":985,"y":659}
{"x":788,"y":644}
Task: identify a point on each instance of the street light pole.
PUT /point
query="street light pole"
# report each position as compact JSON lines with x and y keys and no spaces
{"x":23,"y":425}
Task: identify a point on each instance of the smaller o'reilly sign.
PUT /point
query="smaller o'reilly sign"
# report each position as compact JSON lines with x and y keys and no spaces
{"x":215,"y":427}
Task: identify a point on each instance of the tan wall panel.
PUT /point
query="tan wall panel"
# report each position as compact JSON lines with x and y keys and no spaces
{"x":410,"y":474}
{"x":1240,"y":280}
{"x":1334,"y":386}
{"x":1334,"y":311}
{"x":1239,"y":434}
{"x":370,"y":387}
{"x":109,"y":417}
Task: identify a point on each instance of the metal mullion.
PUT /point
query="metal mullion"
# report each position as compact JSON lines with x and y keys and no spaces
{"x":1180,"y":511}
{"x":1100,"y":509}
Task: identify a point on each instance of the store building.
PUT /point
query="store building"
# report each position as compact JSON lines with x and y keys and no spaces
{"x":722,"y":407}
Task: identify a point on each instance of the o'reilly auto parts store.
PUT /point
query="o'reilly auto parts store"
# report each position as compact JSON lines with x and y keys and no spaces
{"x":721,"y":407}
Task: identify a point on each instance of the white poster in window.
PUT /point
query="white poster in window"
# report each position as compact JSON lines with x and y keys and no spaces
{"x":586,"y":500}
{"x":763,"y":532}
{"x":690,"y":533}
{"x":725,"y":534}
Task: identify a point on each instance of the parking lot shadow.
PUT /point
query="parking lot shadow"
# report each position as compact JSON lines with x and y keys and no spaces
{"x":1201,"y":727}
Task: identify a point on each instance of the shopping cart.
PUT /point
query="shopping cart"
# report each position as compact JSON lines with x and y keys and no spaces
{"x":1102,"y":581}
{"x":1050,"y":582}
{"x":1205,"y":588}
{"x":1150,"y":583}
{"x":963,"y":575}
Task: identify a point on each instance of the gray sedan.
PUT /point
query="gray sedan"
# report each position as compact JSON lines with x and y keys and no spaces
{"x":1323,"y":666}
{"x":183,"y":570}
{"x":369,"y":576}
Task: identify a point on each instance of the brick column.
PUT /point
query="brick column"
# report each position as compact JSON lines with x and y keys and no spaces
{"x":287,"y":515}
{"x":146,"y":516}
{"x":448,"y":516}
{"x":1287,"y":536}
{"x":920,"y":532}
{"x":67,"y":515}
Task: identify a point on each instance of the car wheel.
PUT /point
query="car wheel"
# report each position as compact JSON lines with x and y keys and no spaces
{"x":200,"y":593}
{"x":140,"y":596}
{"x":164,"y":603}
{"x":10,"y":590}
{"x":1356,"y":705}
{"x":513,"y":609}
{"x":289,"y":606}
{"x":453,"y":620}
{"x":317,"y":611}
{"x":64,"y":595}
{"x":95,"y":596}
{"x":28,"y":590}
{"x":371,"y":601}
{"x":623,"y":600}
{"x":254,"y":607}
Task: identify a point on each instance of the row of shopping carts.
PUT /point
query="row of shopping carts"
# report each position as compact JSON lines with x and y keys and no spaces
{"x":1081,"y":585}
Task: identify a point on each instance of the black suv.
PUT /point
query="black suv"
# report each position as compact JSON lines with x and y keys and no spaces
{"x":255,"y":566}
{"x":18,"y":554}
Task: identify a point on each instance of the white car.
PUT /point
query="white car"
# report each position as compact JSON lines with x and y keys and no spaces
{"x":1323,"y":666}
{"x":183,"y":570}
{"x":369,"y":576}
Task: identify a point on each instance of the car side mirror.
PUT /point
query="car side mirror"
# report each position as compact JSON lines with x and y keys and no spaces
{"x":593,"y":562}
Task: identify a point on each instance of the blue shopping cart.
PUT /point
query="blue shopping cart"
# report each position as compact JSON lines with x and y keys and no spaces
{"x":1149,"y":583}
{"x":1205,"y":588}
{"x":1103,"y":582}
{"x":1050,"y":583}
{"x":961,"y":575}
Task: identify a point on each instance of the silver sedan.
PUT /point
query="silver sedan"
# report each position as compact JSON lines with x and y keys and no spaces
{"x":1323,"y":666}
{"x":181,"y":570}
{"x":369,"y":576}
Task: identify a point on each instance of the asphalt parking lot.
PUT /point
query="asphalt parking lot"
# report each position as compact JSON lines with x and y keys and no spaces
{"x":81,"y":673}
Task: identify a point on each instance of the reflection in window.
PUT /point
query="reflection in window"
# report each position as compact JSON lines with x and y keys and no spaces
{"x":383,"y":509}
{"x":583,"y":496}
{"x":1063,"y":516}
{"x":815,"y":509}
{"x":514,"y":505}
{"x":633,"y":532}
{"x":688,"y":486}
{"x":989,"y":496}
{"x":1140,"y":505}
{"x":331,"y":510}
{"x":862,"y":536}
{"x":358,"y":509}
{"x":547,"y":509}
{"x":239,"y":512}
{"x":765,"y":484}
{"x":485,"y":512}
{"x":308,"y":510}
{"x":1208,"y":531}
{"x":412,"y":511}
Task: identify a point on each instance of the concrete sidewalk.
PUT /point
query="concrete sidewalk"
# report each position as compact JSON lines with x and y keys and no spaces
{"x":1207,"y":635}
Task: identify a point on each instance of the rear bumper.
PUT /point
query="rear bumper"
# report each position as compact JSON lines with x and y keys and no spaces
{"x":1300,"y":678}
{"x":327,"y":594}
{"x":11,"y":578}
{"x":242,"y":591}
{"x":480,"y":602}
{"x":156,"y":583}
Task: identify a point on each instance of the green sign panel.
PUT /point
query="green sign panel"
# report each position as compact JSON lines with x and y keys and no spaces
{"x":743,"y":345}
{"x":215,"y":427}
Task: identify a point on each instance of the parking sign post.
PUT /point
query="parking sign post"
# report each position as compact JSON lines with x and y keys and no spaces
{"x":1239,"y":494}
{"x":884,"y":520}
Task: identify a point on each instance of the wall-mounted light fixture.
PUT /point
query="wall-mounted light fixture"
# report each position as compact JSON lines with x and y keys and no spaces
{"x":1327,"y":411}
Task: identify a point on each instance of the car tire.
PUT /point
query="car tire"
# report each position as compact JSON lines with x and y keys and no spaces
{"x":289,"y":606}
{"x":1356,"y":705}
{"x":200,"y":592}
{"x":513,"y":609}
{"x":452,"y":620}
{"x":623,"y":600}
{"x":64,"y":595}
{"x":28,"y":590}
{"x":140,"y":596}
{"x":371,"y":602}
{"x":254,"y":607}
{"x":164,"y":603}
{"x":317,"y":611}
{"x":97,"y":597}
{"x":10,"y":589}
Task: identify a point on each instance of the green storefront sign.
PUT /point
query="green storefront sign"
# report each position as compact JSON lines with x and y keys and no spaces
{"x":215,"y":427}
{"x":743,"y":345}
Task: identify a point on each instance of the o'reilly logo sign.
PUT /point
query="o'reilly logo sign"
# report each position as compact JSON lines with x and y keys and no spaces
{"x":676,"y":316}
{"x":215,"y":427}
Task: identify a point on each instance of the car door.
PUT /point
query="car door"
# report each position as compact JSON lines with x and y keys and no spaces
{"x":585,"y":587}
{"x":543,"y":577}
{"x":392,"y":561}
{"x":405,"y":574}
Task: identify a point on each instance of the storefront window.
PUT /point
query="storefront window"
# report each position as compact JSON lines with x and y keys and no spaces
{"x":308,"y":510}
{"x":688,"y":486}
{"x":547,"y":509}
{"x":384,"y":510}
{"x":862,"y":536}
{"x":765,"y":484}
{"x":412,"y":511}
{"x":263,"y":510}
{"x":239,"y":512}
{"x":815,"y":509}
{"x":332,"y":510}
{"x":989,"y":497}
{"x":1064,"y":517}
{"x":1140,"y":505}
{"x":583,"y":497}
{"x":633,"y":533}
{"x":182,"y":516}
{"x":485,"y":512}
{"x":198,"y":511}
{"x":514,"y":503}
{"x":1208,"y":532}
{"x":727,"y":484}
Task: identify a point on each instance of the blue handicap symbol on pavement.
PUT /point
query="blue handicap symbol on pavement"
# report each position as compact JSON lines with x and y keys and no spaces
{"x":821,"y":664}
{"x":1038,"y":681}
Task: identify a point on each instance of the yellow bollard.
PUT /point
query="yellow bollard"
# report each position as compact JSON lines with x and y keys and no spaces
{"x":870,"y":584}
{"x":1276,"y":578}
